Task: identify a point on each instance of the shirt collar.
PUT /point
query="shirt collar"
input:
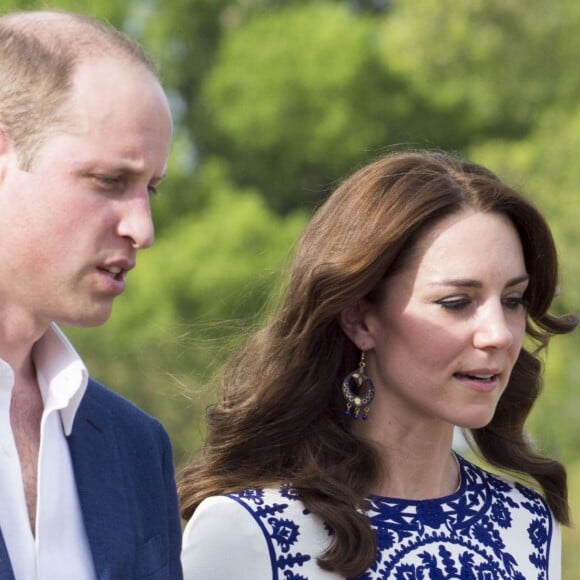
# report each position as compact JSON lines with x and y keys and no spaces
{"x":62,"y":375}
{"x":6,"y":385}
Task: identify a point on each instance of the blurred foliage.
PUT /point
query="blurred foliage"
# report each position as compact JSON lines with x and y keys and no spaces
{"x":499,"y":62}
{"x":276,"y":100}
{"x":292,"y":108}
{"x":571,"y":536}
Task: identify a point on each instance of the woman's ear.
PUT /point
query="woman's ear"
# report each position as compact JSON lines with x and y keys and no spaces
{"x":352,"y":320}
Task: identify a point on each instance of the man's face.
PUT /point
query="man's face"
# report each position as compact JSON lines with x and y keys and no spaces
{"x":71,"y":225}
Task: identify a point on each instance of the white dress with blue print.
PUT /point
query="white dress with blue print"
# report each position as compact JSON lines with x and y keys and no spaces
{"x":490,"y":529}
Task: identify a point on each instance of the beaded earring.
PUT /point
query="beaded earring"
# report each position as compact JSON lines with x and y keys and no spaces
{"x":358,"y":400}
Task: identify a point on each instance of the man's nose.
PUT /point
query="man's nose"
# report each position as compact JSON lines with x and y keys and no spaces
{"x":136,"y":222}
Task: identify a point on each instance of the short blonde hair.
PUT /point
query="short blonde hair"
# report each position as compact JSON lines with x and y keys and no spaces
{"x":39,"y":53}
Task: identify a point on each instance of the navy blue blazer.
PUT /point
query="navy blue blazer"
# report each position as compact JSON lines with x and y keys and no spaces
{"x":124,"y":473}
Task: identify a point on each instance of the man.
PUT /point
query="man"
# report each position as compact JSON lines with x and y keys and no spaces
{"x":86,"y":479}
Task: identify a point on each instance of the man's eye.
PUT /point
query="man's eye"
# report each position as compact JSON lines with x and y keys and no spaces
{"x":107,"y":181}
{"x":454,"y":303}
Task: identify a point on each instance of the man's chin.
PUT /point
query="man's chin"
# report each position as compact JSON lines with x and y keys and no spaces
{"x":87,"y":320}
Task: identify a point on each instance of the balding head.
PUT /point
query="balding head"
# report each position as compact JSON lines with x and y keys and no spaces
{"x":39,"y":54}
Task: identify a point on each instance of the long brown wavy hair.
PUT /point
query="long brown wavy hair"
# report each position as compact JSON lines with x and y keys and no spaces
{"x":279,"y":415}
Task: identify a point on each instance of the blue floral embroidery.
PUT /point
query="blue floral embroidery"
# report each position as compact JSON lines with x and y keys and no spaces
{"x":284,"y":532}
{"x":468,"y":535}
{"x":538,"y":533}
{"x":501,"y":514}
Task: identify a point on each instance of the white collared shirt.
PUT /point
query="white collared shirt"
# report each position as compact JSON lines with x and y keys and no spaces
{"x":59,"y":548}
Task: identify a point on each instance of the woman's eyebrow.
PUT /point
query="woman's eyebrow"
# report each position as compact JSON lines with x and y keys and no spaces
{"x":472,"y":283}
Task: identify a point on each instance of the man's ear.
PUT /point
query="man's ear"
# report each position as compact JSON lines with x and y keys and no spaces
{"x":4,"y":149}
{"x":4,"y":140}
{"x":352,"y":320}
{"x":6,"y":143}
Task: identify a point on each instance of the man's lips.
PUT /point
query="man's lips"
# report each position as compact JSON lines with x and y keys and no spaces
{"x":114,"y":272}
{"x":117,"y":270}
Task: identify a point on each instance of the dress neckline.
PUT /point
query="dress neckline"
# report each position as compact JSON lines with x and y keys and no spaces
{"x":461,"y":466}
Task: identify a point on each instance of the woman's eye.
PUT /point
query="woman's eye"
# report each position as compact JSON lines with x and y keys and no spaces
{"x":454,"y":303}
{"x":514,"y":302}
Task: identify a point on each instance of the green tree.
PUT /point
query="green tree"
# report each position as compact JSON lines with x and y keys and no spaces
{"x":111,"y":10}
{"x":498,"y":64}
{"x":296,"y":98}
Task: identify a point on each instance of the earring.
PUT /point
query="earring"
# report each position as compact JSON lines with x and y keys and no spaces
{"x":360,"y":381}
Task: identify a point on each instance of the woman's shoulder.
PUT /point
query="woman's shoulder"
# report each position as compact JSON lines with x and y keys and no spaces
{"x":283,"y":516}
{"x":223,"y":540}
{"x":269,"y":499}
{"x":496,"y":487}
{"x":271,"y":523}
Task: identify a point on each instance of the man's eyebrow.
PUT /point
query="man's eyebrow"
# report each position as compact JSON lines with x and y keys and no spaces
{"x":129,"y":168}
{"x":471,"y":283}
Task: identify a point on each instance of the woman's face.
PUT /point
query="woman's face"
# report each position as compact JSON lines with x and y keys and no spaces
{"x":443,"y":338}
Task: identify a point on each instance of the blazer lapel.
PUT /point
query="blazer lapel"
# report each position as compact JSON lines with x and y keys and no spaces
{"x":99,"y":476}
{"x":6,"y":572}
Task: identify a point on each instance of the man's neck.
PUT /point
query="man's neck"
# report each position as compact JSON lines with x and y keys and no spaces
{"x":19,"y":332}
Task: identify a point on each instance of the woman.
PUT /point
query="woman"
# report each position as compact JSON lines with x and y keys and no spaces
{"x":329,"y":452}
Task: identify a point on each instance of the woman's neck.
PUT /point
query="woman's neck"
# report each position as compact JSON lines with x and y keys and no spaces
{"x":417,"y":461}
{"x":418,"y":478}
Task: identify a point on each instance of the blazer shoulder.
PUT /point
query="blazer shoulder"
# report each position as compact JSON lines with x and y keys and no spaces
{"x":99,"y":399}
